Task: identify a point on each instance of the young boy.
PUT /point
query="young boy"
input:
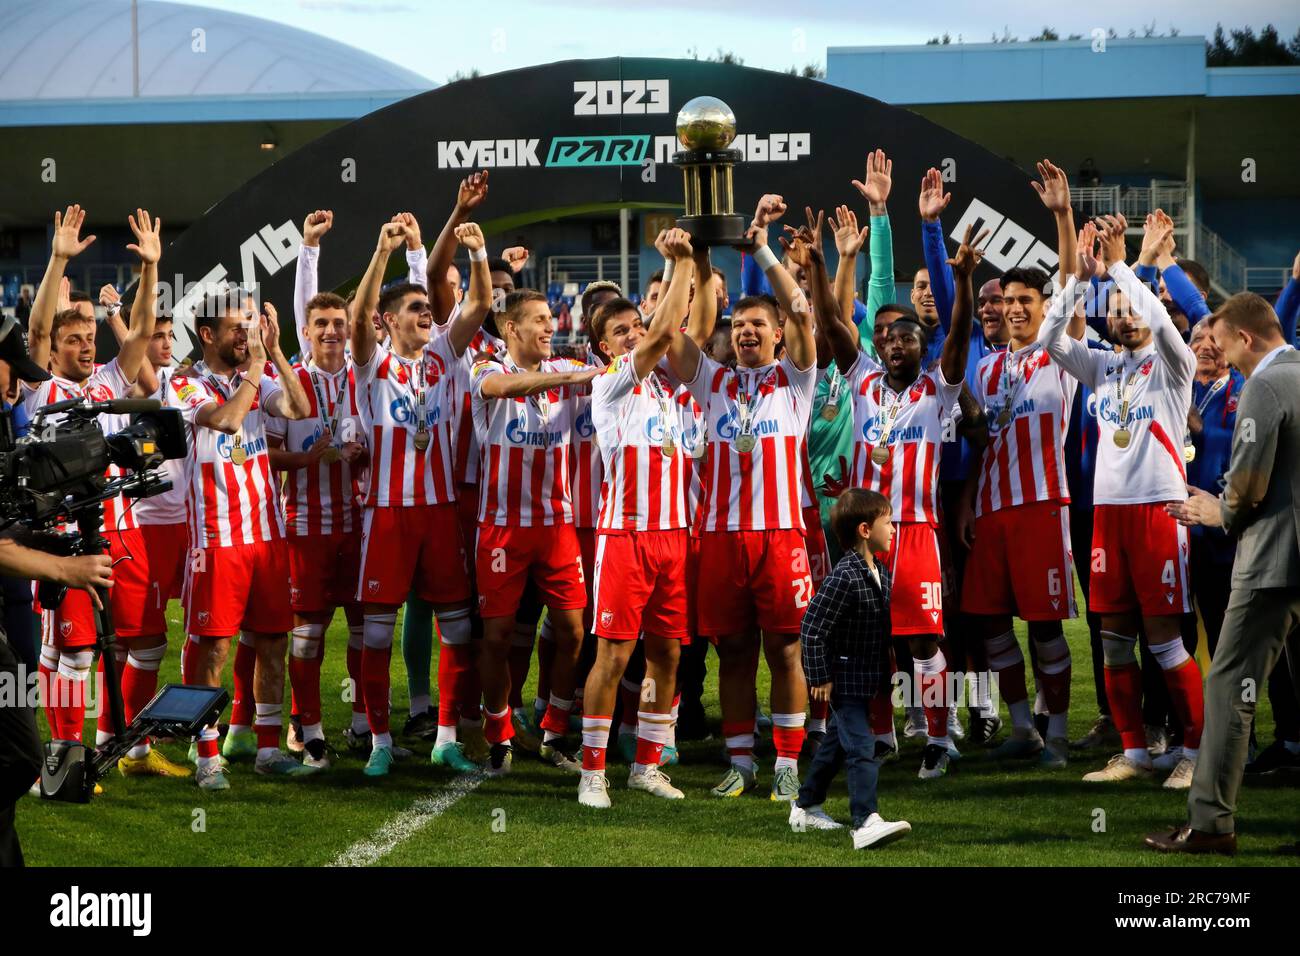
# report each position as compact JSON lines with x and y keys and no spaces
{"x":845,"y":637}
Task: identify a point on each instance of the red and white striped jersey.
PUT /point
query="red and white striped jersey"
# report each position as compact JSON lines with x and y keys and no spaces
{"x":231,"y":501}
{"x":322,"y":498}
{"x":1151,"y":387}
{"x":586,"y":461}
{"x":910,"y":426}
{"x":695,"y":442}
{"x":105,"y":383}
{"x":391,"y":390}
{"x":637,"y":419}
{"x":525,"y":446}
{"x":1024,"y":461}
{"x":168,"y":507}
{"x":761,"y":490}
{"x":466,"y":464}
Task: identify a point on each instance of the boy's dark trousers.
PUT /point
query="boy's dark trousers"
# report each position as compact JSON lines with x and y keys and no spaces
{"x":848,"y":744}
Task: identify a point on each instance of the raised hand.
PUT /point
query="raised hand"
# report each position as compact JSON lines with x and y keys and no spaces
{"x":932,"y":200}
{"x":1155,"y":235}
{"x":659,"y":244}
{"x":255,"y":337}
{"x":849,"y":238}
{"x":968,"y":255}
{"x":1295,"y":267}
{"x":516,"y":258}
{"x":148,"y":236}
{"x":67,"y":233}
{"x":412,"y":230}
{"x":1088,"y":264}
{"x":65,"y":294}
{"x":270,"y":329}
{"x":1054,"y":190}
{"x":108,"y":296}
{"x":803,"y":244}
{"x":1112,"y":239}
{"x":771,"y":207}
{"x":316,"y":225}
{"x":469,"y":235}
{"x":391,"y":236}
{"x":677,"y":244}
{"x":473,"y":190}
{"x":879,"y":178}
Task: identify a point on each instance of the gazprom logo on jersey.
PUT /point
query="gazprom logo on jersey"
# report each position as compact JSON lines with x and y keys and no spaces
{"x":1106,"y":411}
{"x":402,"y":412}
{"x":226,"y":442}
{"x":654,"y":430}
{"x":871,"y":432}
{"x":729,"y":426}
{"x":583,"y":426}
{"x":516,"y":434}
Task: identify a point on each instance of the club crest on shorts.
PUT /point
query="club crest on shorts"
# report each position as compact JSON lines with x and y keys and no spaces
{"x":295,"y":594}
{"x":65,"y":628}
{"x":372,"y":586}
{"x":606,"y":618}
{"x":203,"y":617}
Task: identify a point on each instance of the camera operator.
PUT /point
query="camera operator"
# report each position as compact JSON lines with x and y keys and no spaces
{"x":65,"y":341}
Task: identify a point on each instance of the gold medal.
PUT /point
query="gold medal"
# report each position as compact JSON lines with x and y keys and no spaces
{"x":421,"y":440}
{"x":880,"y":454}
{"x":745,"y":443}
{"x":668,"y":448}
{"x":237,"y":455}
{"x":1004,"y":416}
{"x":330,"y":456}
{"x":1122,"y":437}
{"x":829,"y":411}
{"x":1189,"y":453}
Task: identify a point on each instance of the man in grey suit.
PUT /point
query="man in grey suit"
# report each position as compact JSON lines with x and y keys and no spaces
{"x":1260,"y":507}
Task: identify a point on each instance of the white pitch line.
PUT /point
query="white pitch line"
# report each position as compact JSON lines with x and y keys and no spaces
{"x":408,"y":823}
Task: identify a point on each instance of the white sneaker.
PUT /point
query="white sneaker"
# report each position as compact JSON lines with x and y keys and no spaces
{"x":593,"y":790}
{"x":955,"y":729}
{"x":811,"y":818}
{"x":877,"y":832}
{"x":1119,"y":767}
{"x":1181,"y":778}
{"x":915,"y":725}
{"x":654,"y":782}
{"x":1167,"y":760}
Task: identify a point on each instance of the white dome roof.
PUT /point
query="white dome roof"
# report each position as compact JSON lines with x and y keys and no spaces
{"x":81,"y":49}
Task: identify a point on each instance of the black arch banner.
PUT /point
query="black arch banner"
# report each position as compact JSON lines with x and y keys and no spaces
{"x":588,"y":133}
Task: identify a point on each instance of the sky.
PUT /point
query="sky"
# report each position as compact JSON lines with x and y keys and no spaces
{"x":441,"y":38}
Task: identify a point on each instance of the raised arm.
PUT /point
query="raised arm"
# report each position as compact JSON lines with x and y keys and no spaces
{"x":391,"y":236}
{"x":1054,"y":191}
{"x":956,"y":348}
{"x":931,"y":202}
{"x":305,"y":283}
{"x":475,"y":308}
{"x":523,"y":384}
{"x":66,"y":245}
{"x":291,"y":401}
{"x":1072,"y":354}
{"x":664,"y":325}
{"x":1288,"y":303}
{"x":148,"y":246}
{"x":228,"y":416}
{"x":1173,"y":351}
{"x":848,"y":243}
{"x":417,"y":260}
{"x":703,"y":315}
{"x":840,"y":336}
{"x":799,"y":340}
{"x":880,"y":287}
{"x":471,"y":193}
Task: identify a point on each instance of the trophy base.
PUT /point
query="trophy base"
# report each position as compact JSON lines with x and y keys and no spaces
{"x":714,"y":230}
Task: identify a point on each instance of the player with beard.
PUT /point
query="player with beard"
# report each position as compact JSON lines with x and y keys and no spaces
{"x":238,"y":566}
{"x":900,"y":414}
{"x":1139,"y":552}
{"x":322,"y":457}
{"x":753,"y":562}
{"x":411,"y":536}
{"x":64,"y":342}
{"x":524,"y":409}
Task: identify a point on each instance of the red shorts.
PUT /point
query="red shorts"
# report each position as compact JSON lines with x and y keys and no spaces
{"x":640,"y":585}
{"x":1139,"y":560}
{"x":819,"y":557}
{"x":323,"y":570}
{"x":752,"y":579}
{"x":587,"y":543}
{"x":1021,"y":564}
{"x":241,"y":587}
{"x":136,"y":603}
{"x":143,"y":585}
{"x":507,"y":557}
{"x":416,"y":548}
{"x":71,"y":625}
{"x":916,"y":591}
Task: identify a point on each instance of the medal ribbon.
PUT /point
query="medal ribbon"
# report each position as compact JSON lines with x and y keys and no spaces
{"x":1122,"y":399}
{"x":331,"y":425}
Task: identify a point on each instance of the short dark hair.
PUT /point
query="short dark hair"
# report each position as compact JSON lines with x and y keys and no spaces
{"x":903,"y":312}
{"x":216,"y":305}
{"x":396,"y":293}
{"x":76,"y":295}
{"x":65,"y":317}
{"x":759,"y":302}
{"x":325,"y":300}
{"x":921,"y":328}
{"x":656,"y":276}
{"x":497,"y":264}
{"x":1249,"y":312}
{"x":1031,"y":277}
{"x":516,"y":301}
{"x":853,"y":507}
{"x":606,"y":311}
{"x":1199,"y":275}
{"x":593,"y":289}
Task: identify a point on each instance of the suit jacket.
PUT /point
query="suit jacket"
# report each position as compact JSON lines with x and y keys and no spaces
{"x":1260,"y":504}
{"x":845,"y":632}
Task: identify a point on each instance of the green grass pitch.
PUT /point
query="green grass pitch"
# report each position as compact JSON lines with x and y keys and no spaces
{"x":981,"y":814}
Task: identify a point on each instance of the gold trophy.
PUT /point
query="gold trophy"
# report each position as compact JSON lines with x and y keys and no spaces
{"x":705,"y":128}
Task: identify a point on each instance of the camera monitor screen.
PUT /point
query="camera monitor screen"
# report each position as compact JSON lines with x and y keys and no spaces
{"x":179,"y":704}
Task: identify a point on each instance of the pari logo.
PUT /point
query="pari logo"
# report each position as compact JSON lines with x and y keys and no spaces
{"x":1107,"y":412}
{"x":729,"y":426}
{"x":403,"y":412}
{"x":516,"y":434}
{"x":226,"y":442}
{"x":583,"y":425}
